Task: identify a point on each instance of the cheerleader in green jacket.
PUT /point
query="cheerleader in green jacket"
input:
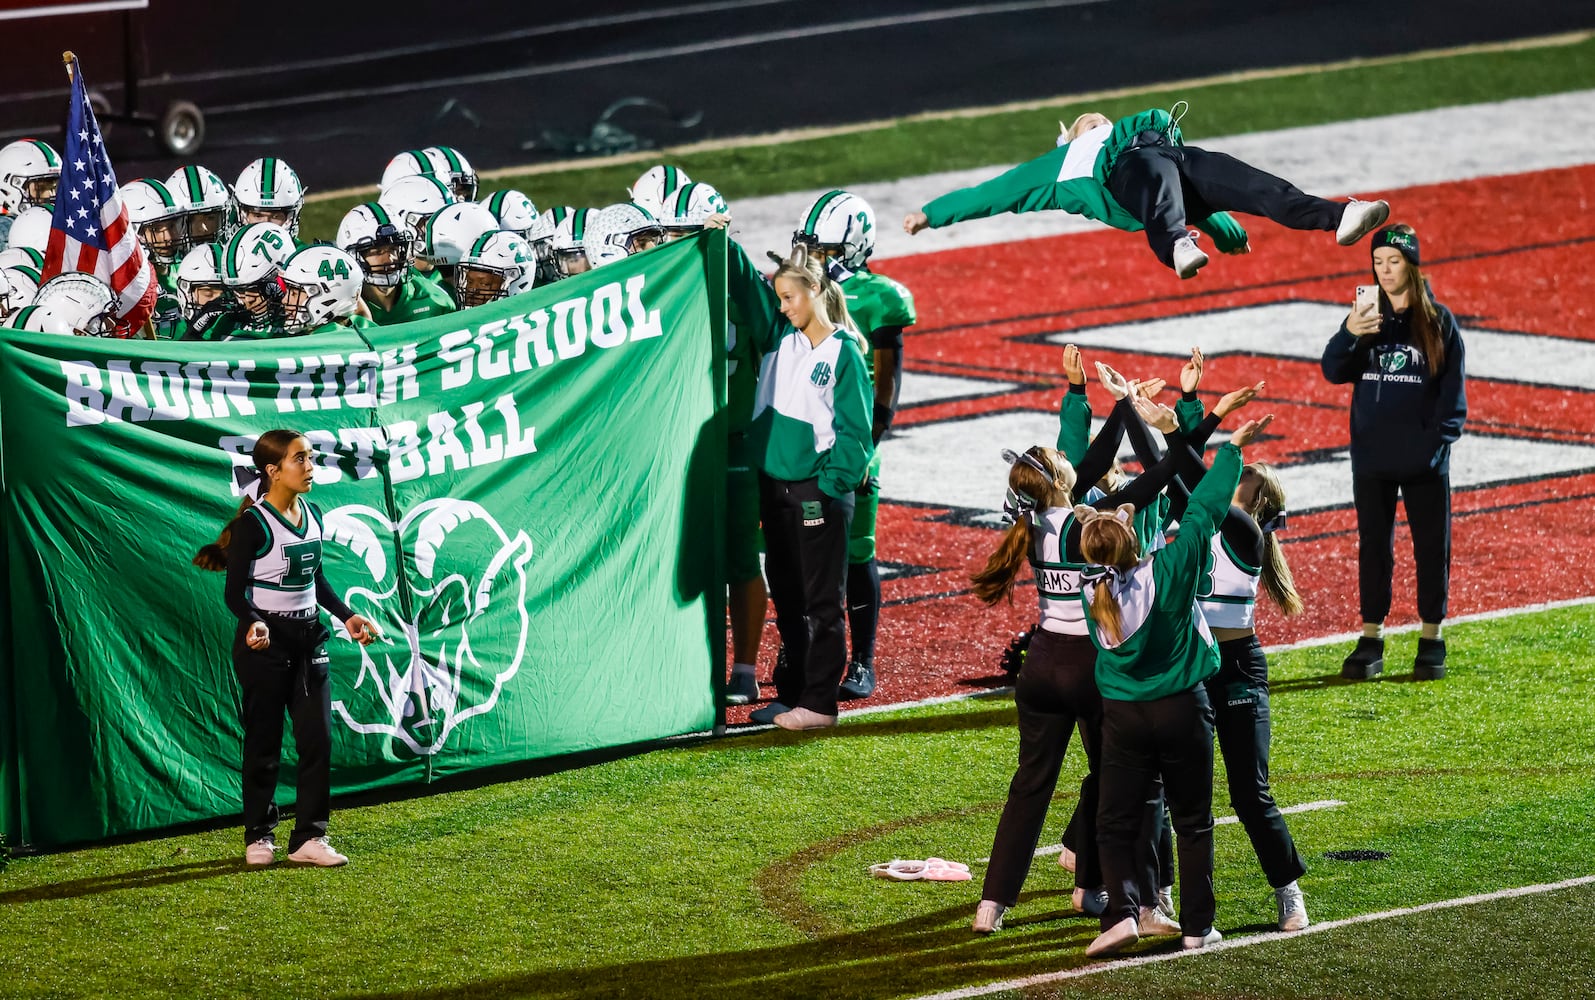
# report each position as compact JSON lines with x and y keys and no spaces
{"x":1154,"y":652}
{"x":1137,"y":173}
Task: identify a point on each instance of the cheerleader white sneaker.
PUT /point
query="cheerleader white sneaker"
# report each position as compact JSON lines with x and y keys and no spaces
{"x":1116,"y":938}
{"x":261,"y":853}
{"x":988,"y":917}
{"x":1209,"y":939}
{"x":1292,"y":908}
{"x":1359,"y":219}
{"x":1066,"y":859}
{"x":319,"y":853}
{"x":1188,"y":257}
{"x":1154,"y":924}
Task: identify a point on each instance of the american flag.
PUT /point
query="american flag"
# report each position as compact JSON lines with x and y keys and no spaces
{"x":90,"y":232}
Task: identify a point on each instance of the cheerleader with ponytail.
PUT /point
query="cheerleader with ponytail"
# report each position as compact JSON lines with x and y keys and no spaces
{"x":1056,"y":689}
{"x":1154,"y":651}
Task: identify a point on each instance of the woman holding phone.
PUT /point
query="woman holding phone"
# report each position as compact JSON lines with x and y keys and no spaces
{"x":1404,"y":356}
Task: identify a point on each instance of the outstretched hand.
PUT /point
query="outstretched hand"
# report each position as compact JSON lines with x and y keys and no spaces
{"x":1073,"y":366}
{"x":1191,"y":373}
{"x":1233,"y":401}
{"x":915,"y":222}
{"x":1112,"y":381}
{"x":1156,"y":415}
{"x":1250,"y":431}
{"x":1150,"y":388}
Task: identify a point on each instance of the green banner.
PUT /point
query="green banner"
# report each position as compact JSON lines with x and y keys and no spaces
{"x":526,"y":497}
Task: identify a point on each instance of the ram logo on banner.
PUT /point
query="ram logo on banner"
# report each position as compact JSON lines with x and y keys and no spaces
{"x":419,"y":700}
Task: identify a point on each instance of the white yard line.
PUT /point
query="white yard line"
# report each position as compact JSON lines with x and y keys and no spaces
{"x":1229,"y":944}
{"x":1334,"y":160}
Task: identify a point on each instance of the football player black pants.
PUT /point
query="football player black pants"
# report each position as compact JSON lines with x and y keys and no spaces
{"x":1427,"y":499}
{"x":1171,"y":737}
{"x":805,"y":564}
{"x":1239,"y":694}
{"x":289,"y":676}
{"x":1056,"y":690}
{"x":1169,"y":188}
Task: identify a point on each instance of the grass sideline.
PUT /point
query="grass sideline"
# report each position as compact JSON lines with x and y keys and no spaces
{"x":926,"y":145}
{"x":737,"y":866}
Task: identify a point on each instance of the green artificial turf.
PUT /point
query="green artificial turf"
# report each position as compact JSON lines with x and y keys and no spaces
{"x":737,"y":867}
{"x":914,"y":147}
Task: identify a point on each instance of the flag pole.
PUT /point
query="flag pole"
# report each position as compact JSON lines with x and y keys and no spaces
{"x":68,"y":59}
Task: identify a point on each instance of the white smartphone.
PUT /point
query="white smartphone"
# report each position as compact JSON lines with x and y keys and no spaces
{"x":1367,"y":299}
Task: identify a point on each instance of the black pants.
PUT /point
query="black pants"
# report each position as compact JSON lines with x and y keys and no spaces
{"x":288,"y":676}
{"x":1056,"y":689}
{"x":1154,"y":851}
{"x":1239,"y":694}
{"x":805,"y":562}
{"x":1141,"y":740}
{"x":1428,"y":502}
{"x":1165,"y":187}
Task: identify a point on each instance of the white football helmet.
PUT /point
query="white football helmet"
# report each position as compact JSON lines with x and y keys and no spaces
{"x":383,"y":247}
{"x":841,"y":225}
{"x":657,"y":184}
{"x":449,"y":232}
{"x":15,"y":292}
{"x":250,"y":268}
{"x":41,"y":319}
{"x":25,"y":256}
{"x":619,"y":231}
{"x":515,"y":213}
{"x":158,"y":218}
{"x":205,"y":199}
{"x":82,"y":300}
{"x":496,"y":266}
{"x":269,"y":191}
{"x":689,"y":208}
{"x":541,"y":237}
{"x":31,"y":231}
{"x":568,"y":246}
{"x":25,"y":283}
{"x":409,"y":200}
{"x":320,"y":283}
{"x":201,"y":269}
{"x":445,"y":163}
{"x":30,"y":173}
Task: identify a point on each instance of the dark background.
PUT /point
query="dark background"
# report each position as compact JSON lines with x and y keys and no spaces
{"x":337,"y":89}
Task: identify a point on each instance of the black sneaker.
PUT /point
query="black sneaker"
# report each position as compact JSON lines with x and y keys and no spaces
{"x":858,"y":682}
{"x":1430,"y":663}
{"x":1366,"y":662}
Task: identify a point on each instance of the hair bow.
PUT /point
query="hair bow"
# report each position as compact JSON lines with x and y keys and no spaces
{"x":1275,"y":523}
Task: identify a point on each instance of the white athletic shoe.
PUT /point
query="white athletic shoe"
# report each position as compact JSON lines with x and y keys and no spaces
{"x":319,"y":853}
{"x":1292,"y":909}
{"x":1116,"y":938}
{"x":1188,"y":257}
{"x":1359,"y":219}
{"x":1154,"y":924}
{"x":1066,"y":859}
{"x":988,"y":917}
{"x":1212,"y":937}
{"x":1165,"y":902}
{"x":261,"y":853}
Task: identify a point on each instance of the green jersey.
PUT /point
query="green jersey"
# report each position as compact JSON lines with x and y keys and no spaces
{"x":168,"y":316}
{"x":751,"y":305}
{"x":876,"y":302}
{"x":1074,"y":178}
{"x":418,"y":298}
{"x":1165,"y":646}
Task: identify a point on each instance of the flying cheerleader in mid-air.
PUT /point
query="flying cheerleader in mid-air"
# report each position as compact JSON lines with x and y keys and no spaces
{"x":1137,"y":173}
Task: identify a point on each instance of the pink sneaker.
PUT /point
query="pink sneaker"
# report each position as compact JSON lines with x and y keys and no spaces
{"x":319,"y":853}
